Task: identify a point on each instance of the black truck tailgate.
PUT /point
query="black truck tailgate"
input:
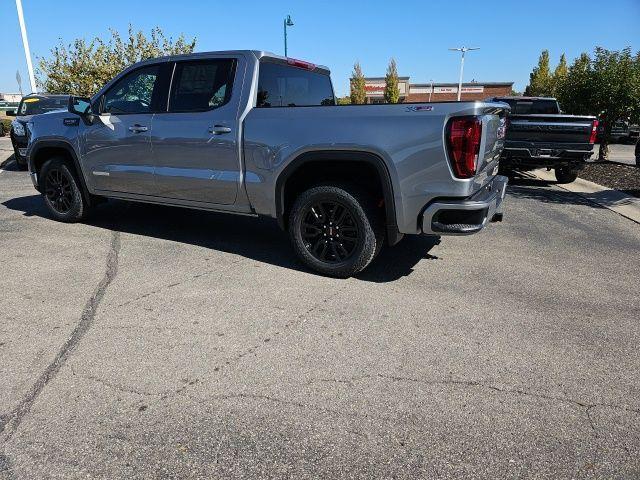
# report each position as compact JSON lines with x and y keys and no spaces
{"x":550,"y":128}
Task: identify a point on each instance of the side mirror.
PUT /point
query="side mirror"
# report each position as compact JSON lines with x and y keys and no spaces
{"x":81,"y":106}
{"x":10,"y":113}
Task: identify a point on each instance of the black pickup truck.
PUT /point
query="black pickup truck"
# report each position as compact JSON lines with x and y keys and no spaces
{"x":539,"y":135}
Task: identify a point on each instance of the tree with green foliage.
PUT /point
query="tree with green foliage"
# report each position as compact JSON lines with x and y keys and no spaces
{"x":358,"y":93}
{"x":616,"y":90}
{"x":575,"y":91}
{"x":346,"y":100}
{"x":83,"y":67}
{"x":559,"y":74}
{"x":540,"y":81}
{"x":391,"y":89}
{"x":607,"y":85}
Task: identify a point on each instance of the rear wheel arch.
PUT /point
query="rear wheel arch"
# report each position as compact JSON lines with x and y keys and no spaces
{"x":296,"y":177}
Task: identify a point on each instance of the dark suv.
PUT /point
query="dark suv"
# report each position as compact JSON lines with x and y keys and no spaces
{"x":30,"y":105}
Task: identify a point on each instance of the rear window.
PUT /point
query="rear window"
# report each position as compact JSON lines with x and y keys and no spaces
{"x":285,"y":86}
{"x":532,"y":107}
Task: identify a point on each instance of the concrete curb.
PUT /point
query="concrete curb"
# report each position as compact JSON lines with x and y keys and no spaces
{"x":619,"y":202}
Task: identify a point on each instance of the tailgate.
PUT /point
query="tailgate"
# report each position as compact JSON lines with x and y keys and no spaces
{"x":549,"y":128}
{"x":493,"y":133}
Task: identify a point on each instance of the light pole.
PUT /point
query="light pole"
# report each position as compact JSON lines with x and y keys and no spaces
{"x":463,"y":50}
{"x":431,"y":89}
{"x":287,"y":23}
{"x":25,"y":43}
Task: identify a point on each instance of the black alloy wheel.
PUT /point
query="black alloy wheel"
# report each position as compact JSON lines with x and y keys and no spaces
{"x":336,"y":229}
{"x":59,"y":190}
{"x":329,"y":231}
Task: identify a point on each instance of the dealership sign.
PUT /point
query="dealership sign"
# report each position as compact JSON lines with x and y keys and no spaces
{"x":376,"y":88}
{"x":455,"y":89}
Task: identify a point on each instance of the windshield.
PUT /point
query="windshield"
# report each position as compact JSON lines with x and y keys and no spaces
{"x":37,"y":105}
{"x":532,"y":107}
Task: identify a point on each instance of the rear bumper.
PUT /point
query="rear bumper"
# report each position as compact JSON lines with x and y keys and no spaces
{"x":544,"y":155}
{"x":466,"y":216}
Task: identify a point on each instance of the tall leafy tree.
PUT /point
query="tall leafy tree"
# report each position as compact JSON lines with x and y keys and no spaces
{"x":83,"y":67}
{"x":606,"y":85}
{"x":559,"y":74}
{"x":576,"y":91}
{"x":616,"y":89}
{"x":540,"y":82}
{"x":391,"y":88}
{"x":358,"y":93}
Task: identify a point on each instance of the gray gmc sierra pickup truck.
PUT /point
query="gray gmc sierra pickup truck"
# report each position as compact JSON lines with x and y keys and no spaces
{"x":252,"y":133}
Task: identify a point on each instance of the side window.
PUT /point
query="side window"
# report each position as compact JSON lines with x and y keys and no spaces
{"x":285,"y":86}
{"x":201,"y":85}
{"x":133,"y":93}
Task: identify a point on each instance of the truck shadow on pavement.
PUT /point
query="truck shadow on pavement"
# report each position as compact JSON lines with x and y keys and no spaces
{"x":542,"y":191}
{"x":259,"y":239}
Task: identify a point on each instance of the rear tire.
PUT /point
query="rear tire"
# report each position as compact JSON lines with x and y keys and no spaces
{"x":61,"y":191}
{"x":566,"y":174}
{"x":336,"y":230}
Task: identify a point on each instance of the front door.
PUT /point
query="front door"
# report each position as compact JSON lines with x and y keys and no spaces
{"x":195,"y":143}
{"x":117,"y":146}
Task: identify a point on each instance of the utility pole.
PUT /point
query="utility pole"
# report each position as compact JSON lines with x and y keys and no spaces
{"x":463,"y":50}
{"x":25,"y":43}
{"x":287,"y":23}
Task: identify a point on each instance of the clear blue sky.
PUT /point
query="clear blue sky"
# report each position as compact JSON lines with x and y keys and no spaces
{"x":417,"y":33}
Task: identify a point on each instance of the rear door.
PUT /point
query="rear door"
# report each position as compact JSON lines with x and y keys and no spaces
{"x":117,"y":146}
{"x":195,"y":142}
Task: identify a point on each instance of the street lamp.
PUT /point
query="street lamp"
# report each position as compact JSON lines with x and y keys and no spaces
{"x":287,"y":23}
{"x":463,"y":50}
{"x":430,"y":89}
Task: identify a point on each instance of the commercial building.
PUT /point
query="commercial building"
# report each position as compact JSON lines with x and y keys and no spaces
{"x":10,"y":97}
{"x":435,"y":92}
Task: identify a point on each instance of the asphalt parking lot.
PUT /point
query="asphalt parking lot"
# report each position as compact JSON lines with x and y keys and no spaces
{"x":158,"y":342}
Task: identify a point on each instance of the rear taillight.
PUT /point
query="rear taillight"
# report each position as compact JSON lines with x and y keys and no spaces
{"x":594,"y":131}
{"x":464,"y":134}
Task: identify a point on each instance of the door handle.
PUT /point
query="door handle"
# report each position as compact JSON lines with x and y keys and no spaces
{"x":218,"y":129}
{"x":138,"y":128}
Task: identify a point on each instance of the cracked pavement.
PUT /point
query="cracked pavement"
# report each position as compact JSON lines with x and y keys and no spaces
{"x":155,"y":342}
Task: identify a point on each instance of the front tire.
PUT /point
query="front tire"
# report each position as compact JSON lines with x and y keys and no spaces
{"x":336,"y":230}
{"x":61,"y":191}
{"x":566,"y":174}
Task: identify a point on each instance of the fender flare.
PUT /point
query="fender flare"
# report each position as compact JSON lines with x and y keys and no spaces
{"x":63,"y":145}
{"x":393,"y":235}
